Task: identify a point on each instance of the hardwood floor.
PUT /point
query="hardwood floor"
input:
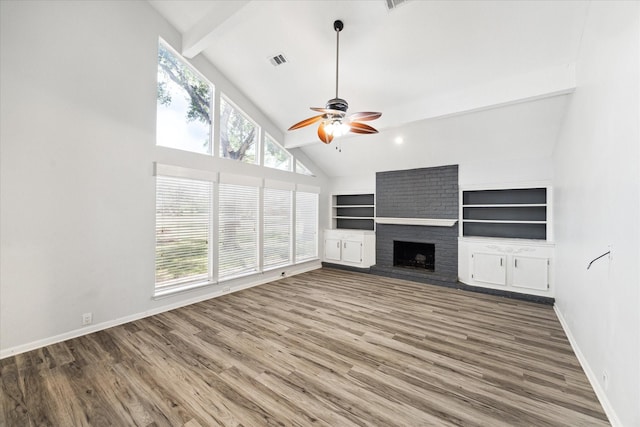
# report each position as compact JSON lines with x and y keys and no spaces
{"x":325,"y":348}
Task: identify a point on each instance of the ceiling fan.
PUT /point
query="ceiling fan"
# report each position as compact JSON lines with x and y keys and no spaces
{"x":333,"y":120}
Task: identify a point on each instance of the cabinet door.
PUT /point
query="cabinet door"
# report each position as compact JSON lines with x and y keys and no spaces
{"x":531,"y":273}
{"x":332,"y":249}
{"x":352,"y":251}
{"x":489,"y":268}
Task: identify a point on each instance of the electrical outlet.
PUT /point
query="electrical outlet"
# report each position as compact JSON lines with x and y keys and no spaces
{"x":227,"y":289}
{"x":87,"y":319}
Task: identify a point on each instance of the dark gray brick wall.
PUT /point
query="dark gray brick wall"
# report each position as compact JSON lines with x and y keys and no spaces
{"x":418,"y":193}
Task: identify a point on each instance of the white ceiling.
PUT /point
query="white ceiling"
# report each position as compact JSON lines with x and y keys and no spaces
{"x":417,"y":64}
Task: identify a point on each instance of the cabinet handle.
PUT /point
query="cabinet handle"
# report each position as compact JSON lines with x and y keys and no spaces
{"x":515,"y":263}
{"x":338,"y":245}
{"x":500,"y":261}
{"x":345,"y":245}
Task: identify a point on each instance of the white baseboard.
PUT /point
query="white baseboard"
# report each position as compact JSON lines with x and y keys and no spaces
{"x":591,"y":376}
{"x":258,"y":279}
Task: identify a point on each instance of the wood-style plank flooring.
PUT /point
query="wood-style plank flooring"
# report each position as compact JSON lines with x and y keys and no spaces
{"x":324,"y":348}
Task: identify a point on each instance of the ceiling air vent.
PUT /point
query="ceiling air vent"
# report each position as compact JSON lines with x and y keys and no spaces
{"x":392,"y":4}
{"x":278,"y":59}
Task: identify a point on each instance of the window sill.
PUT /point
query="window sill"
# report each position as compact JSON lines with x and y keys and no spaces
{"x":169,"y":291}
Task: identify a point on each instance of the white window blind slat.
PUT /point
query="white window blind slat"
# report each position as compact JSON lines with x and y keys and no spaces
{"x":306,"y":226}
{"x":238,"y":230}
{"x":277,"y":213}
{"x":183,"y":217}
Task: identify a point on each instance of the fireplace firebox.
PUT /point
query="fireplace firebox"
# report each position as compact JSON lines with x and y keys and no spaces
{"x":414,"y":255}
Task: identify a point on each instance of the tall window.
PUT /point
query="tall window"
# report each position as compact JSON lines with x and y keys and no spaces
{"x":238,"y":230}
{"x":184,"y":104}
{"x":184,"y":118}
{"x":183,"y":218}
{"x":306,"y":226}
{"x":275,"y":156}
{"x":238,"y":134}
{"x":277,"y":228}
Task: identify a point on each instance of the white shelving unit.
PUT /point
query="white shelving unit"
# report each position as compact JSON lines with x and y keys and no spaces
{"x":506,"y":239}
{"x":353,"y":211}
{"x":351,"y":240}
{"x":515,"y":213}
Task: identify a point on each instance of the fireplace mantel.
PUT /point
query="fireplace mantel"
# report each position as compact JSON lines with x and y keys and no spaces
{"x":432,"y":222}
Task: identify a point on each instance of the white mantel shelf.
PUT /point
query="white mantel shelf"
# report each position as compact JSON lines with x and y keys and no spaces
{"x":432,"y":222}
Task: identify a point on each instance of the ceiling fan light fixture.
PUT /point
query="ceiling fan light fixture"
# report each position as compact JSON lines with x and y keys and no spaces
{"x":336,"y":127}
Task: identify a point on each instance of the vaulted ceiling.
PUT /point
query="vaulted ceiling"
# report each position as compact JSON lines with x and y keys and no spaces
{"x":454,"y":79}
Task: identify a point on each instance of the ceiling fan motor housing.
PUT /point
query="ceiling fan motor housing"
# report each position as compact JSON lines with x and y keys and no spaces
{"x":337,"y":104}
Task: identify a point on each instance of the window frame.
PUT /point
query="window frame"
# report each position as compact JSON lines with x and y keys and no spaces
{"x":257,"y":138}
{"x":223,"y":276}
{"x":212,"y":101}
{"x":179,"y":173}
{"x":272,"y":140}
{"x":315,"y":255}
{"x":290,"y":249}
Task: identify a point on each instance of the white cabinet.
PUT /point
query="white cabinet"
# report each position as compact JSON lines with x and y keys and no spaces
{"x":489,"y":268}
{"x":356,"y":248}
{"x":332,"y":249}
{"x":515,"y":265}
{"x":530,"y":273}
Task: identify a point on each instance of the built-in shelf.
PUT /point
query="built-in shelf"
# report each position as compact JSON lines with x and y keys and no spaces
{"x":519,"y":213}
{"x":353,"y":211}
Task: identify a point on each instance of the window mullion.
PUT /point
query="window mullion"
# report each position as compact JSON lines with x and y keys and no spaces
{"x":261,"y":231}
{"x":215,"y":235}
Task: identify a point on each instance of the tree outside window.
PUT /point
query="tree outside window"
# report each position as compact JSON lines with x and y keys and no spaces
{"x":184,"y":103}
{"x":238,"y":134}
{"x":275,"y":156}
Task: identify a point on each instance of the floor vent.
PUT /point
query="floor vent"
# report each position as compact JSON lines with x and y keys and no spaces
{"x":392,"y":4}
{"x":278,"y":59}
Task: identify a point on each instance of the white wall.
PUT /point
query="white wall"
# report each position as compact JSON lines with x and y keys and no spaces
{"x":484,"y":173}
{"x":78,"y":84}
{"x":597,"y":207}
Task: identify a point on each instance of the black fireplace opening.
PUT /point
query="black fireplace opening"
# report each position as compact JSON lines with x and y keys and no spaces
{"x":414,"y":255}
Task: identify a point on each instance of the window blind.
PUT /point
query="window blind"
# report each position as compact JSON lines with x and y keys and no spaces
{"x":183,"y":217}
{"x":306,"y":226}
{"x":238,"y":230}
{"x":277,"y":228}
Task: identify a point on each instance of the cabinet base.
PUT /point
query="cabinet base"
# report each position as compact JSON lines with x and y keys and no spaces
{"x":346,"y":267}
{"x":455,"y":285}
{"x":513,"y":295}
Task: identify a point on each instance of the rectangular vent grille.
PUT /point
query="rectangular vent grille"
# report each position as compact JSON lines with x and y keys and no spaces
{"x":392,"y":4}
{"x":278,"y":60}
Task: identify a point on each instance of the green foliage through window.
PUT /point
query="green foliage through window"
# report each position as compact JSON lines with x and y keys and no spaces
{"x":275,"y":156}
{"x":184,"y":118}
{"x":238,"y":134}
{"x":184,"y":105}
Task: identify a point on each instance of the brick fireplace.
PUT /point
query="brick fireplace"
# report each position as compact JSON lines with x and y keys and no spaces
{"x":410,"y":205}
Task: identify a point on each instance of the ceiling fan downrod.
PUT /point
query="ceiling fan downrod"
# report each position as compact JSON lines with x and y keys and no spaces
{"x":338,"y":25}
